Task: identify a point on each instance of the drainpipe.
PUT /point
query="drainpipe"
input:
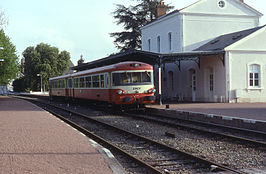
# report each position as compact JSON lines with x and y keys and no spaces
{"x":160,"y":80}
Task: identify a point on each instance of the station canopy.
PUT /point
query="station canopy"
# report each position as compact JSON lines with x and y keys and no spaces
{"x":146,"y":57}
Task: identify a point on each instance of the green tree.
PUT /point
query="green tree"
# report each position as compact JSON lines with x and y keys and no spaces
{"x":44,"y":60}
{"x":9,"y":67}
{"x":133,"y":18}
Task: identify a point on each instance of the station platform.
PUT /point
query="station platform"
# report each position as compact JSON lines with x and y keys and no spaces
{"x":34,"y":141}
{"x":242,"y":115}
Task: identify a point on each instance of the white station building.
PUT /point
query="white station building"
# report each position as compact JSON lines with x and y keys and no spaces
{"x":229,"y":27}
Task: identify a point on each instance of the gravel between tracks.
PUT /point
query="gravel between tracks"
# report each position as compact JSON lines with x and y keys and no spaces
{"x":235,"y":155}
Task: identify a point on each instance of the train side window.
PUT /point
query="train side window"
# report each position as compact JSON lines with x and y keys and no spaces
{"x":90,"y":82}
{"x":146,"y":76}
{"x":102,"y":81}
{"x":81,"y":82}
{"x":60,"y":83}
{"x":76,"y":82}
{"x":95,"y":81}
{"x":106,"y":80}
{"x":70,"y":83}
{"x":87,"y":81}
{"x":116,"y":79}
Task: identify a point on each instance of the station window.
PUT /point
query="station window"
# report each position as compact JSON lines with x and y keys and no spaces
{"x":254,"y":76}
{"x":170,"y":41}
{"x":149,"y":44}
{"x":158,"y":44}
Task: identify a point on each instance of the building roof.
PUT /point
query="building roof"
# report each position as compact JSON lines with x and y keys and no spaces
{"x":146,"y":57}
{"x":130,"y":55}
{"x":223,"y":41}
{"x":237,"y":1}
{"x":178,"y":11}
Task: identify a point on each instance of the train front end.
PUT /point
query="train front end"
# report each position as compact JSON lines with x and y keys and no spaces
{"x":134,"y":86}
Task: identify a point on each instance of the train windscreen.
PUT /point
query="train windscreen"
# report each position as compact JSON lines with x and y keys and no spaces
{"x":131,"y":78}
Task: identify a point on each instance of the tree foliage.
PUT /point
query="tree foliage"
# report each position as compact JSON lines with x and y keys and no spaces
{"x":44,"y":60}
{"x":3,"y":20}
{"x":133,"y":18}
{"x":9,"y":67}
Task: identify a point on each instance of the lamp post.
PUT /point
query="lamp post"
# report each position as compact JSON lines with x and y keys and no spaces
{"x":41,"y":81}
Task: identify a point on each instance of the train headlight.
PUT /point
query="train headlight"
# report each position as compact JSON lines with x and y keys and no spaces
{"x":120,"y":92}
{"x":151,"y":90}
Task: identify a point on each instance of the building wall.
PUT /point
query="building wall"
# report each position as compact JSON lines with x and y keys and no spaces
{"x":199,"y":30}
{"x":211,"y":65}
{"x":171,"y":24}
{"x":240,"y":91}
{"x":251,"y":50}
{"x":197,"y":24}
{"x":192,"y":27}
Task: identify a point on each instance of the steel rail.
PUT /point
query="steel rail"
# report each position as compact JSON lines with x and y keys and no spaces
{"x":251,"y":141}
{"x":100,"y":140}
{"x":199,"y":159}
{"x":153,"y":111}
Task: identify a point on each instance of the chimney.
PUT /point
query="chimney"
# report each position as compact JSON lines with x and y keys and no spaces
{"x":161,"y":9}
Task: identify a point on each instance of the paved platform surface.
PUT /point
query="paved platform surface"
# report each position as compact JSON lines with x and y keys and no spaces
{"x":255,"y":111}
{"x":34,"y":141}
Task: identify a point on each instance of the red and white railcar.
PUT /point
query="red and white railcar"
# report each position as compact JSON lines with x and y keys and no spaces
{"x":123,"y":83}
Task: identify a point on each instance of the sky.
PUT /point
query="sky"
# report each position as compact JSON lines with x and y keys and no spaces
{"x":80,"y":27}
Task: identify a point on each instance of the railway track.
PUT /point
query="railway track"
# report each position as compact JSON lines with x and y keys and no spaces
{"x":236,"y":134}
{"x":161,"y":158}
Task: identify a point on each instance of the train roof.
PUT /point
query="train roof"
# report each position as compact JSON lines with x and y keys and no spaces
{"x":129,"y":65}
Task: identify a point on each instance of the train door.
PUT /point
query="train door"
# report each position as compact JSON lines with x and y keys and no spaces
{"x":70,"y":87}
{"x":66,"y":88}
{"x":109,"y":78}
